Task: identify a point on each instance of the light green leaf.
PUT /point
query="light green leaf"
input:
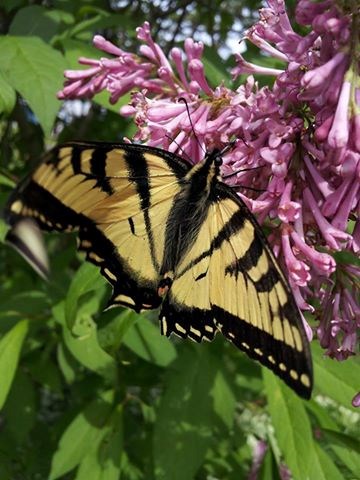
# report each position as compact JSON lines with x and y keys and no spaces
{"x":7,"y":100}
{"x":224,"y":400}
{"x":328,"y":468}
{"x":104,"y":461}
{"x":66,"y":363}
{"x":84,"y":346}
{"x":85,"y":431}
{"x":183,"y":430}
{"x":35,"y":70}
{"x":338,"y":380}
{"x":117,"y":323}
{"x":10,"y":347}
{"x":6,"y":181}
{"x":292,"y":428}
{"x":145,"y":340}
{"x":87,"y":279}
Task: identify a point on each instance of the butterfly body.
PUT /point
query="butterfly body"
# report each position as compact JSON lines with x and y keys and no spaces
{"x":171,"y":235}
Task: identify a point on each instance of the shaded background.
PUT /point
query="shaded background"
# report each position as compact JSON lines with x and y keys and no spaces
{"x":91,"y":395}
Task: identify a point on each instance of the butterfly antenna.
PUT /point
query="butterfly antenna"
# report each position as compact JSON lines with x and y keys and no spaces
{"x":172,"y":140}
{"x":242,"y":170}
{"x":245,"y":187}
{"x":182,"y":99}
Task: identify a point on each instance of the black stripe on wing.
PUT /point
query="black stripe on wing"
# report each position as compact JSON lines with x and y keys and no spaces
{"x":286,"y":362}
{"x":133,"y":290}
{"x":186,"y":322}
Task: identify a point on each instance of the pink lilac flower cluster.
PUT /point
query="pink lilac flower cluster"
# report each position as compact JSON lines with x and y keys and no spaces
{"x":295,"y":161}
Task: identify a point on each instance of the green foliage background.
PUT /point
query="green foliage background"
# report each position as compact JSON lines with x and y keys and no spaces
{"x":92,"y":395}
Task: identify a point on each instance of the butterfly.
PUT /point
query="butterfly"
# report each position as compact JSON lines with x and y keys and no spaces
{"x":169,"y":234}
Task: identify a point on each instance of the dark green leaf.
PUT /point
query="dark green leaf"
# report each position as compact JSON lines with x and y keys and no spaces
{"x":183,"y":430}
{"x":41,"y":24}
{"x":339,"y":438}
{"x":20,"y":408}
{"x":145,"y":340}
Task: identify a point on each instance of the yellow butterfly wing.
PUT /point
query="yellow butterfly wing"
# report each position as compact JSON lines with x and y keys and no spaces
{"x":230,"y":281}
{"x":118,"y":197}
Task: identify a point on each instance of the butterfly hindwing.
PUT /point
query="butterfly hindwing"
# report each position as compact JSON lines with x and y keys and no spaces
{"x":230,"y":281}
{"x":118,"y":197}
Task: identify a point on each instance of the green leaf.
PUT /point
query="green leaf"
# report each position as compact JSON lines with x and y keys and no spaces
{"x":41,"y":25}
{"x":5,"y":467}
{"x":6,"y":181}
{"x":35,"y":70}
{"x":84,"y":431}
{"x":342,"y":439}
{"x":20,"y":408}
{"x":10,"y":347}
{"x":337,"y":380}
{"x":87,"y":279}
{"x":11,"y":4}
{"x":183,"y":430}
{"x":44,"y":371}
{"x":104,"y":461}
{"x":66,"y":363}
{"x":214,"y":67}
{"x":144,"y":339}
{"x":328,"y":468}
{"x":7,"y":101}
{"x":224,"y":399}
{"x":338,"y":444}
{"x":269,"y":469}
{"x":292,"y":428}
{"x":28,"y":302}
{"x":85,"y":346}
{"x":117,"y":324}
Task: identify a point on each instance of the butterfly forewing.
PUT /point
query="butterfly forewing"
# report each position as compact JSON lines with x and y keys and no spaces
{"x":118,"y":197}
